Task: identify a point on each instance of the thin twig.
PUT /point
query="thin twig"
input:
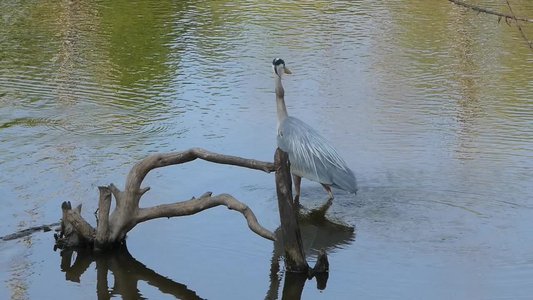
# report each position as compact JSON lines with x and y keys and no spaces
{"x":519,"y":27}
{"x":490,"y":12}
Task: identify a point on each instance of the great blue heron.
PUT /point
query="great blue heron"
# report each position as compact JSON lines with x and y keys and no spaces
{"x":311,"y":156}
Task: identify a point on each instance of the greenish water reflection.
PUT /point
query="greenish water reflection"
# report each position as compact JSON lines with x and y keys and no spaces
{"x":428,"y":102}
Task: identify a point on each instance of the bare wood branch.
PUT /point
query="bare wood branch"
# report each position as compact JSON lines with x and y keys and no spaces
{"x":113,"y":227}
{"x":206,"y":194}
{"x":73,"y":222}
{"x":117,"y":193}
{"x":141,"y":169}
{"x":104,"y":204}
{"x":490,"y":12}
{"x":206,"y":201}
{"x":144,"y":190}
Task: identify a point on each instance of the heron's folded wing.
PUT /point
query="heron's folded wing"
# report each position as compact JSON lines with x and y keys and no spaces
{"x":310,"y":154}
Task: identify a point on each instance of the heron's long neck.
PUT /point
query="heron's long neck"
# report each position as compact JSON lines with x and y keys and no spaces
{"x":280,"y":101}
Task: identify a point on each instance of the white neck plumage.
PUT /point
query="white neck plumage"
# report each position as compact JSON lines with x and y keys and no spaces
{"x":280,"y":101}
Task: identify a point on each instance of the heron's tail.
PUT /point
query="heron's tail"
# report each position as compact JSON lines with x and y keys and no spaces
{"x":346,"y":181}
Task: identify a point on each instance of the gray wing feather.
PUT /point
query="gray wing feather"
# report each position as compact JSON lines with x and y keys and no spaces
{"x":312,"y":156}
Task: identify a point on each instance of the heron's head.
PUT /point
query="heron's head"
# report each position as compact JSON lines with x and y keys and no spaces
{"x":279,"y":67}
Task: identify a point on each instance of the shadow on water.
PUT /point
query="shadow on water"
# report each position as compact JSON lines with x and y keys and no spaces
{"x":318,"y":233}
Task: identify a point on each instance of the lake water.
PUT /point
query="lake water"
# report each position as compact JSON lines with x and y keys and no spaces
{"x":429,"y":103}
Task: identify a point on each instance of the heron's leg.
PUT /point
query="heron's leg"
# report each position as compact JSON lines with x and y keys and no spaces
{"x":297,"y":181}
{"x":328,"y":189}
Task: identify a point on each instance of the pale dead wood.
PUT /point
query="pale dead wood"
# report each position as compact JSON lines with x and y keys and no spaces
{"x":113,"y":227}
{"x":104,"y":204}
{"x":116,"y":193}
{"x":194,"y":206}
{"x":141,"y":169}
{"x":75,"y":230}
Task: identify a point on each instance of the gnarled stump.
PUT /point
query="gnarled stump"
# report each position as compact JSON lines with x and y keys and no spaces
{"x":112,"y":227}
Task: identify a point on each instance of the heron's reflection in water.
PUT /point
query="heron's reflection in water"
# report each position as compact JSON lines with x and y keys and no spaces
{"x":318,"y":233}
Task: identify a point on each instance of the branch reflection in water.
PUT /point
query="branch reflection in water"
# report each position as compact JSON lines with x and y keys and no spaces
{"x":127,"y":272}
{"x":318,"y":232}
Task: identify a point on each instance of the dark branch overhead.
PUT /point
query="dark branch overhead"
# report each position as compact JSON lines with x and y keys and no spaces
{"x":508,"y":18}
{"x":490,"y":12}
{"x":522,"y":33}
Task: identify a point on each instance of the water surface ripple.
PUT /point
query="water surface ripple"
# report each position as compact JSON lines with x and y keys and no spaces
{"x":431,"y":105}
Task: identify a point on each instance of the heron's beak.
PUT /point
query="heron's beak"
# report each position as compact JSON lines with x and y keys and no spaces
{"x":287,"y":71}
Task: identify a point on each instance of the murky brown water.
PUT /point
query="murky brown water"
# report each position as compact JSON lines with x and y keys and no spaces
{"x":431,"y":105}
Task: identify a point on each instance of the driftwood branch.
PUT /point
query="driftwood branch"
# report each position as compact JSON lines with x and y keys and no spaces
{"x":490,"y":12}
{"x":112,"y":227}
{"x":104,"y":204}
{"x":116,"y":193}
{"x":75,"y":231}
{"x":206,"y":201}
{"x":141,"y":169}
